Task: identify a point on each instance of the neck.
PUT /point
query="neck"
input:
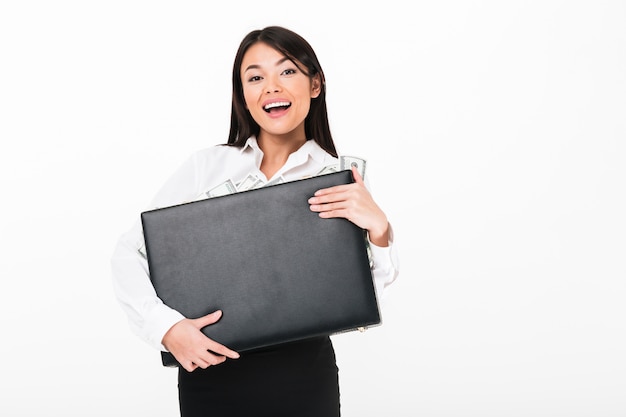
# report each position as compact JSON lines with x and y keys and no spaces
{"x":276,"y":151}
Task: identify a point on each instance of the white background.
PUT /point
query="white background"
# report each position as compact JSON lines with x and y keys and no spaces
{"x":495,"y":139}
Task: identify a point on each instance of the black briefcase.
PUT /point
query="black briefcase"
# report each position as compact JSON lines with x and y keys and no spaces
{"x":278,"y":272}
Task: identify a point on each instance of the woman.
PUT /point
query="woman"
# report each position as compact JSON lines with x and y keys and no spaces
{"x":279,"y":131}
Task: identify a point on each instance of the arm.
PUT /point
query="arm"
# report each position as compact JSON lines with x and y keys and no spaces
{"x":153,"y":321}
{"x":355,"y":203}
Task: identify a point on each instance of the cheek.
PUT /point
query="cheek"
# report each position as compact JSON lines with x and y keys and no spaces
{"x":249,"y":96}
{"x":305,"y":105}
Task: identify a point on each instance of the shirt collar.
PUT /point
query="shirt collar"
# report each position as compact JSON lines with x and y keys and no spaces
{"x":310,"y":148}
{"x":250,"y":144}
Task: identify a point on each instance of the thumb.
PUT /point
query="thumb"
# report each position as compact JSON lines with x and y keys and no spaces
{"x":357,"y":176}
{"x":210,"y":318}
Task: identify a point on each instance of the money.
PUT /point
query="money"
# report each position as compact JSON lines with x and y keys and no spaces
{"x":227,"y":187}
{"x":201,"y":196}
{"x":251,"y":181}
{"x":142,"y":247}
{"x":275,"y":181}
{"x":142,"y":251}
{"x":328,"y":169}
{"x":347,"y":162}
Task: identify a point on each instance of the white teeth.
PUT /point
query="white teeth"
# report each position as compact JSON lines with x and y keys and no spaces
{"x":276,"y":104}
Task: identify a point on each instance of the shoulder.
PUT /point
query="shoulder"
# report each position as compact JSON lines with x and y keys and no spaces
{"x":214,"y":153}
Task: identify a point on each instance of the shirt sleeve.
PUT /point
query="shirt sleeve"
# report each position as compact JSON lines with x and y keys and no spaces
{"x":384,"y":264}
{"x":384,"y":260}
{"x":147,"y":315}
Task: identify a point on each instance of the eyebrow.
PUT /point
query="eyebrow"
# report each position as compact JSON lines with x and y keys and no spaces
{"x":256,"y":66}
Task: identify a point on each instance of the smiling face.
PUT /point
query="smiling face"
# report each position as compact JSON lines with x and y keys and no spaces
{"x":277,"y":93}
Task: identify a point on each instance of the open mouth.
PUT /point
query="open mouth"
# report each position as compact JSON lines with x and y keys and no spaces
{"x":277,"y":106}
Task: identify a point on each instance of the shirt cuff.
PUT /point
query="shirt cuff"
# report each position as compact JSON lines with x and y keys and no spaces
{"x":385,"y":262}
{"x":158,"y":323}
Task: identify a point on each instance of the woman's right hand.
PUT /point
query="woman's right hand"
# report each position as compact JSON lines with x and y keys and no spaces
{"x":191,"y":348}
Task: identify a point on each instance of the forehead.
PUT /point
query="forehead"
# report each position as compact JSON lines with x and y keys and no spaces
{"x":261,"y":54}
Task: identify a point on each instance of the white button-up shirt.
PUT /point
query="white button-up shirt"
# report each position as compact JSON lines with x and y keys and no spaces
{"x":148,"y":316}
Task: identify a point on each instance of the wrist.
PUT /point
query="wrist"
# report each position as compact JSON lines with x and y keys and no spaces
{"x":379,"y":236}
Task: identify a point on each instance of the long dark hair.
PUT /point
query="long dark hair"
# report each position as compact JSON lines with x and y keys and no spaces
{"x":296,"y":48}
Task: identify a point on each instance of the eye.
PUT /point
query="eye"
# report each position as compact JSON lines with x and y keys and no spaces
{"x":254,"y":78}
{"x":289,"y":71}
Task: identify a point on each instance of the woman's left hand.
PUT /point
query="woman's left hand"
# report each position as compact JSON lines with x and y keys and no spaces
{"x":355,"y":203}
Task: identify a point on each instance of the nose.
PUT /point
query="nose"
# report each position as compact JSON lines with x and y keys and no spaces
{"x":273,"y":85}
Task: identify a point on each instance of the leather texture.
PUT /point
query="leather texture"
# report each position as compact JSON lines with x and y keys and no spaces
{"x":278,"y":272}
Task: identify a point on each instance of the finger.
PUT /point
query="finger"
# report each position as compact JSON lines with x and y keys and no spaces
{"x":209,"y":359}
{"x":328,"y":207}
{"x":213,"y":359}
{"x":334,"y":213}
{"x":189,"y":366}
{"x":201,"y":363}
{"x":339,"y":205}
{"x":208,"y":319}
{"x":332,"y":190}
{"x":334,"y":197}
{"x":206,"y":358}
{"x":222,"y":350}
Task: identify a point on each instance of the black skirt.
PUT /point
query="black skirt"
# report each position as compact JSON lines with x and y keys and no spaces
{"x":292,"y":379}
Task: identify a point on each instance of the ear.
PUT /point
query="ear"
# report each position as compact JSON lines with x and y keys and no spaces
{"x":316,"y":86}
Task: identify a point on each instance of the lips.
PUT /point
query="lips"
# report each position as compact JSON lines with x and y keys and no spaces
{"x":276,"y":106}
